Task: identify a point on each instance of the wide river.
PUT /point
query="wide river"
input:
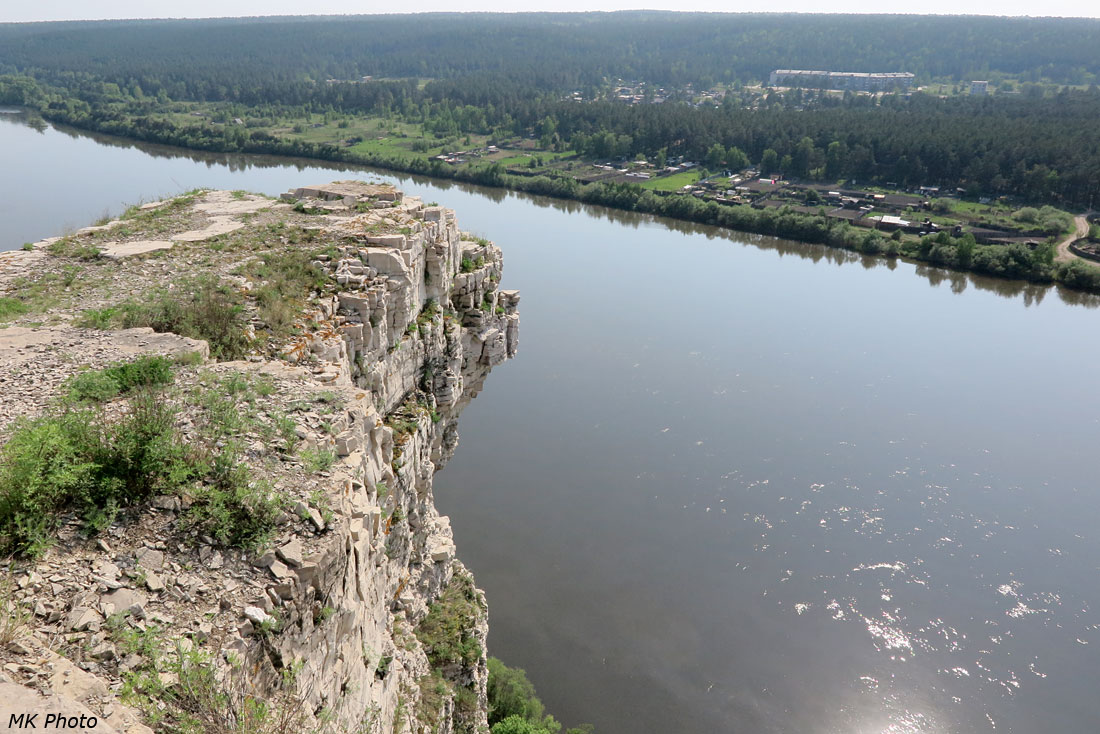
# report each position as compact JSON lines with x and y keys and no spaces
{"x":737,"y":484}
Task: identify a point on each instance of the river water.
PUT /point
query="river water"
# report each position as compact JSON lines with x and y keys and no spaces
{"x":737,"y":484}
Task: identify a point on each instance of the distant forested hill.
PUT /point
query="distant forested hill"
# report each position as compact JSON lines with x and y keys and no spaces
{"x":504,"y":76}
{"x":211,"y":59}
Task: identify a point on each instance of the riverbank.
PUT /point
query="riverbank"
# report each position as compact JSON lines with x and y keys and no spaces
{"x":1036,"y":265}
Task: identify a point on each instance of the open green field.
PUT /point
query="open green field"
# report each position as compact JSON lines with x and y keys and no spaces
{"x":389,"y":145}
{"x":369,"y":135}
{"x":675,"y":182}
{"x":523,"y":158}
{"x":992,"y":209}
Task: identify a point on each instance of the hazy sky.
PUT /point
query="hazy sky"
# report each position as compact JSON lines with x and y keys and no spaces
{"x":23,"y":10}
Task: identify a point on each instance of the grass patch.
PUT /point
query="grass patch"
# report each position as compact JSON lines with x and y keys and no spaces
{"x":74,"y":248}
{"x":468,"y":265}
{"x":200,"y":308}
{"x":428,"y":312}
{"x":10,"y":307}
{"x":39,"y":294}
{"x":301,"y":208}
{"x":281,"y":426}
{"x":231,"y":505}
{"x":175,"y":206}
{"x":675,"y":182}
{"x":120,"y":378}
{"x":288,"y":278}
{"x":318,"y":460}
{"x":96,"y":318}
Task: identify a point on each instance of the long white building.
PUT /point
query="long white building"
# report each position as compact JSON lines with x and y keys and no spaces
{"x":854,"y":80}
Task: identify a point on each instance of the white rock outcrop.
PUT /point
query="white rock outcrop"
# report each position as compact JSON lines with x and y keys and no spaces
{"x":403,"y":341}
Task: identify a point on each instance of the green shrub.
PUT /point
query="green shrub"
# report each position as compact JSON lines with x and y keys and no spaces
{"x":1078,"y":274}
{"x":447,"y":632}
{"x":79,"y":461}
{"x":143,"y":453}
{"x":189,"y":359}
{"x":285,"y":428}
{"x":510,"y":694}
{"x":1028,"y":214}
{"x":42,"y":469}
{"x":520,"y":725}
{"x":96,"y":318}
{"x":120,"y":378}
{"x":428,"y":312}
{"x":383,"y":666}
{"x":236,"y":510}
{"x":515,"y":708}
{"x":1055,"y":221}
{"x":95,"y":385}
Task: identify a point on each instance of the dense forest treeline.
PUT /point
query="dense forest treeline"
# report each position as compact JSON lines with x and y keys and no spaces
{"x":1015,"y":261}
{"x":1044,"y":150}
{"x":218,"y":59}
{"x":503,"y":77}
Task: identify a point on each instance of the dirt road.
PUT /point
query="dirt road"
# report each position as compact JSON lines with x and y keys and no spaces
{"x":1064,"y":253}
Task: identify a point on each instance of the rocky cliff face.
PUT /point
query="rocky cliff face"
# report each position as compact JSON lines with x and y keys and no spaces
{"x":355,"y":615}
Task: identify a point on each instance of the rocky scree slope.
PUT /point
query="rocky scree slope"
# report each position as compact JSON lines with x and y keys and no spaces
{"x":320,"y":349}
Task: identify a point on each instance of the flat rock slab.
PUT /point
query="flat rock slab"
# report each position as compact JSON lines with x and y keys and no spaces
{"x":17,"y":342}
{"x":34,"y":362}
{"x":217,"y":226}
{"x":349,"y":190}
{"x":225,"y":203}
{"x":17,"y":701}
{"x":22,"y":263}
{"x":101,"y":227}
{"x":116,"y":250}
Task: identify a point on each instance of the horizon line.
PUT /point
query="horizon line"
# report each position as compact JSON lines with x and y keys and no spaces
{"x":543,"y":12}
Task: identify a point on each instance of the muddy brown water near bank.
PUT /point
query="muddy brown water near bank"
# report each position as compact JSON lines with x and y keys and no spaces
{"x":742,"y":484}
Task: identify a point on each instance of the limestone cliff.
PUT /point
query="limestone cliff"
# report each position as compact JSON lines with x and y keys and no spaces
{"x":355,"y":615}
